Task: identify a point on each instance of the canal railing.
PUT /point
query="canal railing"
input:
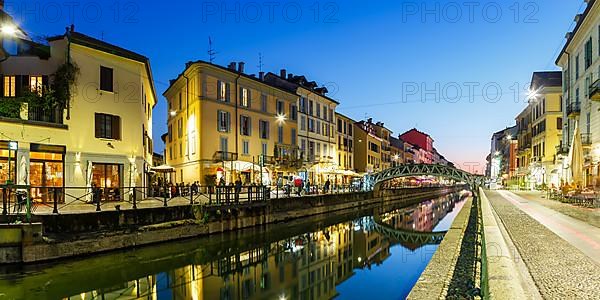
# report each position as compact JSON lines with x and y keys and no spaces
{"x":26,"y":200}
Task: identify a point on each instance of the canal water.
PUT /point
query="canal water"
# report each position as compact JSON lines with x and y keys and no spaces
{"x":377,"y":255}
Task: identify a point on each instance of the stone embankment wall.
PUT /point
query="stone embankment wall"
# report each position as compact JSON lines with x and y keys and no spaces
{"x":68,"y":235}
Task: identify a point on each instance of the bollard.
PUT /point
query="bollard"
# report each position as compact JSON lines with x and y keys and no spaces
{"x":55,"y":196}
{"x":134,"y":198}
{"x":4,"y":210}
{"x":98,"y":203}
{"x":191,"y":196}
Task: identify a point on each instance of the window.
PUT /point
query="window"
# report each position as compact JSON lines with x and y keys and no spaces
{"x":588,"y":53}
{"x":325,"y":112}
{"x":294,"y":136}
{"x":108,"y":126}
{"x":222,"y":91}
{"x":263,"y":103}
{"x":245,"y":147}
{"x":280,"y":108}
{"x":264,"y":129}
{"x":318,"y":127}
{"x":244,"y":97}
{"x":180,"y":128}
{"x":303,"y":145}
{"x":223,"y":120}
{"x":223,"y":144}
{"x":339,"y":125}
{"x":180,"y":101}
{"x":559,"y":122}
{"x":10,"y":86}
{"x":303,"y":123}
{"x":311,"y":125}
{"x":265,"y":148}
{"x":302,"y":105}
{"x":245,"y":125}
{"x":193,"y":142}
{"x":170,"y":132}
{"x":310,"y":107}
{"x":318,"y":110}
{"x":280,"y":134}
{"x":106,"y":79}
{"x":293,"y":112}
{"x":35,"y":84}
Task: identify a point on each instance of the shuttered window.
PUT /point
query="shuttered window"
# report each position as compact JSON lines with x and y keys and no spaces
{"x":106,"y":79}
{"x":107,"y":126}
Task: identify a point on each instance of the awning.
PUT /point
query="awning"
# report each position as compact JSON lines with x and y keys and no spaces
{"x":163,"y":169}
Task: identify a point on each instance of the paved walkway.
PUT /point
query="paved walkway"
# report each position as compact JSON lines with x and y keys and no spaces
{"x":560,"y":252}
{"x":588,"y":215}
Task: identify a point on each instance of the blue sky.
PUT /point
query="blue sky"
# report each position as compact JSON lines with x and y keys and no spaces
{"x":379,"y":58}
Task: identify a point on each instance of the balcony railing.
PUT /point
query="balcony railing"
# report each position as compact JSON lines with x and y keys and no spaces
{"x":573,"y":109}
{"x":562,"y":149}
{"x":594,"y":90}
{"x":586,"y":139}
{"x":221,"y":156}
{"x":52,"y":115}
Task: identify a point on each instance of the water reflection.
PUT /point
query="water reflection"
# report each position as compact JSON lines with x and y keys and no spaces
{"x":308,"y":266}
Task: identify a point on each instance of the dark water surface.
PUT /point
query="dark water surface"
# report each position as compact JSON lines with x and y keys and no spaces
{"x":364,"y":255}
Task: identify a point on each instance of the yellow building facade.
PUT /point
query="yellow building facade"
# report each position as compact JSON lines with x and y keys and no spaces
{"x":316,"y":126}
{"x":225,"y":124}
{"x":367,"y":148}
{"x":345,"y":147}
{"x":546,"y":128}
{"x":99,"y":135}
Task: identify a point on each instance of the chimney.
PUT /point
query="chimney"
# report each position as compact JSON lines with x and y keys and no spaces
{"x":241,"y":65}
{"x":261,"y":76}
{"x":232,"y":66}
{"x":72,"y":25}
{"x":282,"y":73}
{"x":290,"y":76}
{"x":569,"y":35}
{"x":578,"y":18}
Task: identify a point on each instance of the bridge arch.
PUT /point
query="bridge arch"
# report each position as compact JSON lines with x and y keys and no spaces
{"x":407,"y":170}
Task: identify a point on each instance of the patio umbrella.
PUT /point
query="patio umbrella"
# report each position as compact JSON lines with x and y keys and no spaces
{"x":577,"y":157}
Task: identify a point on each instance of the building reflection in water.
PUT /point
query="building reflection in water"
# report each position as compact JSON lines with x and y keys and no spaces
{"x":309,"y":266}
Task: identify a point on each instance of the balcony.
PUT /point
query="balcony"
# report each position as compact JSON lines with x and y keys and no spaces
{"x":586,"y":139}
{"x":594,"y":90}
{"x":221,"y":156}
{"x":573,"y":109}
{"x":562,"y":150}
{"x":13,"y":108}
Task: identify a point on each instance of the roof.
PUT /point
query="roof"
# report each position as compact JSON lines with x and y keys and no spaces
{"x":416,"y":130}
{"x":396,"y":142}
{"x":577,"y":26}
{"x":301,"y":81}
{"x":191,"y":63}
{"x":546,"y":79}
{"x":90,"y":42}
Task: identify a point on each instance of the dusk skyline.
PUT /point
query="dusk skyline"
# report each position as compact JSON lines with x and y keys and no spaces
{"x":379,"y":61}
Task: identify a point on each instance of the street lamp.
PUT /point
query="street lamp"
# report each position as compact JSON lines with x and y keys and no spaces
{"x":281,"y":118}
{"x":173,"y":113}
{"x":9,"y":30}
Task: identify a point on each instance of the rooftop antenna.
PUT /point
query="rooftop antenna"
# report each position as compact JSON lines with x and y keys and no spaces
{"x":211,"y":52}
{"x":260,"y":62}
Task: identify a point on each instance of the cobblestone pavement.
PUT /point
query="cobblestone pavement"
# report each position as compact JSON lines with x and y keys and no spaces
{"x":559,"y":270}
{"x":588,"y":215}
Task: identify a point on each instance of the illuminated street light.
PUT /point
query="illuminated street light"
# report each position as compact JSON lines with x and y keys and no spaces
{"x":172,"y":113}
{"x":497,"y":153}
{"x":281,"y":118}
{"x":509,"y":137}
{"x":8,"y":29}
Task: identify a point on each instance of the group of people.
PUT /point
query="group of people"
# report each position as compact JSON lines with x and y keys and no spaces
{"x":171,"y":190}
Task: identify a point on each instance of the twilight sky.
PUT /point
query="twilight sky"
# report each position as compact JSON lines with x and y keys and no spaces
{"x":457,"y":70}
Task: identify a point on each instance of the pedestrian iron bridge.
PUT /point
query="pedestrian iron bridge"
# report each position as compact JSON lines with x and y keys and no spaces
{"x":407,"y":170}
{"x":410,"y":237}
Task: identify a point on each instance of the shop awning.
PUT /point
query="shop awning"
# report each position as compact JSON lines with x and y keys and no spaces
{"x":163,"y":169}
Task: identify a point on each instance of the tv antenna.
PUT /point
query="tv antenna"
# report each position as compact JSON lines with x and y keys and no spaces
{"x":260,"y":62}
{"x":211,"y":52}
